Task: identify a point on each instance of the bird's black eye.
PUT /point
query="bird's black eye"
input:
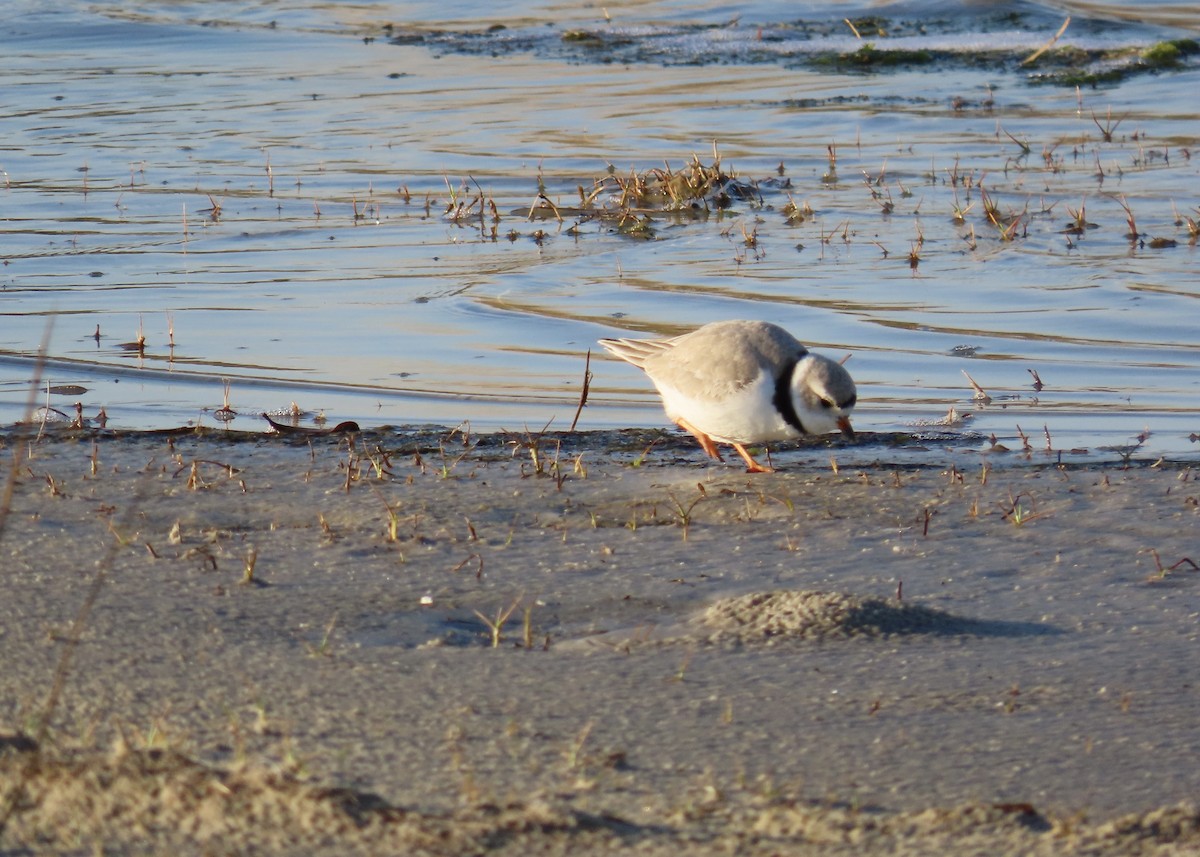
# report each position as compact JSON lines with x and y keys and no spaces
{"x":826,"y":404}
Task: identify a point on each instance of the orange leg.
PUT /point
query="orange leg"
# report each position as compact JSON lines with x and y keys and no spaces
{"x":706,"y":442}
{"x":752,"y":466}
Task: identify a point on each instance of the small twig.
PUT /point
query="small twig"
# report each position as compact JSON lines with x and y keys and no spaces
{"x":1033,"y":56}
{"x":10,"y":483}
{"x":478,"y":569}
{"x":1024,"y":146}
{"x":1163,"y":569}
{"x":583,"y":393}
{"x":980,"y":393}
{"x":496,"y":626}
{"x":542,"y":199}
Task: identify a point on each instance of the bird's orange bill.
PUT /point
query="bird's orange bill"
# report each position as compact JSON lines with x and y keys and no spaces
{"x":844,"y":424}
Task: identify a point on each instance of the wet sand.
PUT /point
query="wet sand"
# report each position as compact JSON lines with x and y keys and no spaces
{"x":290,"y":649}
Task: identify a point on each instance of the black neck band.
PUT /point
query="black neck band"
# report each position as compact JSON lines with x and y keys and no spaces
{"x":783,"y":394}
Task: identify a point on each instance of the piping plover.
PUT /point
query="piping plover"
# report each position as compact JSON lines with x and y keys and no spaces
{"x":743,"y":382}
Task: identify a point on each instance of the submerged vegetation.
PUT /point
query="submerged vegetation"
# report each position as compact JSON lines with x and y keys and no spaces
{"x":879,"y":44}
{"x":1070,"y":66}
{"x":870,"y":57}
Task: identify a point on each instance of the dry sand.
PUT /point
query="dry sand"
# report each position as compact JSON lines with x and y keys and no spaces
{"x":690,"y":658}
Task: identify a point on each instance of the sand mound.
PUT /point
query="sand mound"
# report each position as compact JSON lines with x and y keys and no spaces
{"x":951,"y":827}
{"x":803,"y":614}
{"x":152,"y":801}
{"x":155,"y":800}
{"x":137,"y":796}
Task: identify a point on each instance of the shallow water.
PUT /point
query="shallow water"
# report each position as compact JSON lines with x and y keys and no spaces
{"x":333,"y":278}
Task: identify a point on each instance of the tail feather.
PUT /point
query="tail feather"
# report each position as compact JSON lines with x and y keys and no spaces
{"x":636,"y":351}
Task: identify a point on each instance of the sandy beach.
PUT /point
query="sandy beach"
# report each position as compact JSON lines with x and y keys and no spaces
{"x":441,"y":643}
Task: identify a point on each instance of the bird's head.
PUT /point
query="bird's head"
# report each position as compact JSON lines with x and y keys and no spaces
{"x":824,"y":395}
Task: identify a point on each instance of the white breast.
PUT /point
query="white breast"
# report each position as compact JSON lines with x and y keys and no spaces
{"x":747,"y":415}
